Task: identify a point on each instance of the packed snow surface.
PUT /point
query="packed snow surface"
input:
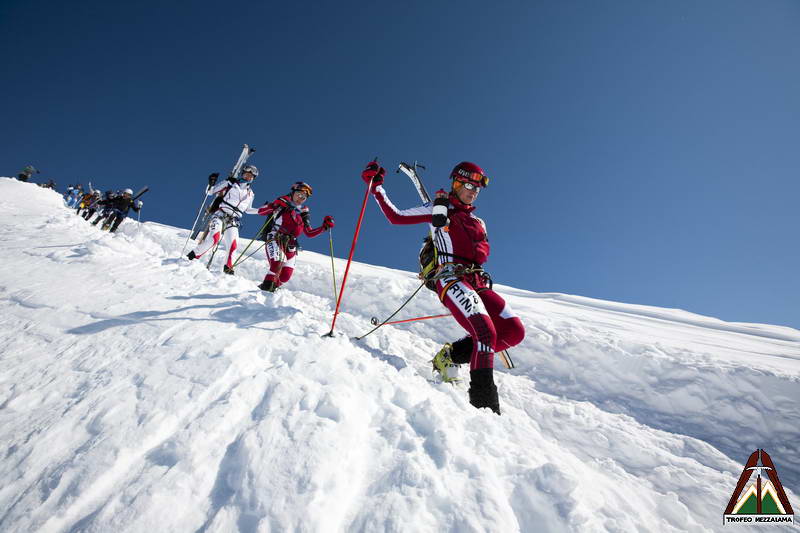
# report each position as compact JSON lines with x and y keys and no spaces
{"x":140,"y":392}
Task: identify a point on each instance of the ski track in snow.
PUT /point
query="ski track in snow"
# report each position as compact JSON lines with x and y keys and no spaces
{"x":139,"y":392}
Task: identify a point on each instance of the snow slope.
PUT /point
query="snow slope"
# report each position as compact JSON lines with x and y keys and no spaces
{"x":140,"y":392}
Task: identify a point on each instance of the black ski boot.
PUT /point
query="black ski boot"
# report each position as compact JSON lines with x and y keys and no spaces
{"x":482,"y":390}
{"x":268,"y":286}
{"x":190,"y":256}
{"x":462,"y":351}
{"x":228,"y":270}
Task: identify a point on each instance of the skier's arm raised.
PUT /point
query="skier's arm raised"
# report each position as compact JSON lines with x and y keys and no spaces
{"x":416,"y":215}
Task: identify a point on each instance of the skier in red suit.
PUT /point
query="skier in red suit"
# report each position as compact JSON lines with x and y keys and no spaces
{"x":290,"y":218}
{"x":462,"y":247}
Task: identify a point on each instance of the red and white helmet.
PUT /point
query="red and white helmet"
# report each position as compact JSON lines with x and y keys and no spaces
{"x":466,"y":172}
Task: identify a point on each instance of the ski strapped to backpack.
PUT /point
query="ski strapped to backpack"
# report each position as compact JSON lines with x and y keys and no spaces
{"x":247,"y":151}
{"x":140,"y":193}
{"x":428,"y":253}
{"x":411,"y":172}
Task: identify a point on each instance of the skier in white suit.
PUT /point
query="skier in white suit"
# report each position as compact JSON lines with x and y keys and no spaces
{"x":234,"y":199}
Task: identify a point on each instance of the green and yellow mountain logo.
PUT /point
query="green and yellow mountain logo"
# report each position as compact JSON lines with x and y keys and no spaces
{"x":759,"y":495}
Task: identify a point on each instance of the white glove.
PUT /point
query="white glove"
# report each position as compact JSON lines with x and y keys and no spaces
{"x":139,"y":204}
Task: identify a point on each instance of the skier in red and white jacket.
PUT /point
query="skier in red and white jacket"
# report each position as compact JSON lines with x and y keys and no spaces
{"x":290,"y":218}
{"x":234,"y":198}
{"x":462,"y":247}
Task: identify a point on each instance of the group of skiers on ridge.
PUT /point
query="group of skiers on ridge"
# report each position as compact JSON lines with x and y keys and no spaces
{"x":111,"y":207}
{"x":458,"y":239}
{"x":287,"y":219}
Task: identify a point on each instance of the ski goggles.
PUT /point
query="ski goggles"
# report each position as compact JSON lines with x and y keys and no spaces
{"x":251,"y":169}
{"x":471,"y":177}
{"x":468,"y":185}
{"x":301,"y":187}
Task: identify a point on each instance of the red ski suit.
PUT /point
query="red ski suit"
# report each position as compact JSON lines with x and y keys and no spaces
{"x":281,"y":248}
{"x":487,"y":318}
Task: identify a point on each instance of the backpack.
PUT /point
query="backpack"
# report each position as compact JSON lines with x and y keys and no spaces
{"x":218,"y":200}
{"x":427,"y":263}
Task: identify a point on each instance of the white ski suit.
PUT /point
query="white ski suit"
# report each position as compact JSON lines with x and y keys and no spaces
{"x":237,"y":200}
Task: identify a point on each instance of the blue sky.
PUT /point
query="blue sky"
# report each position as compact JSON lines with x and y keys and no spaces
{"x":642,"y":152}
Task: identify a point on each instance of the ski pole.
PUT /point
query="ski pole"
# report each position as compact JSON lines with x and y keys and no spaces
{"x":205,"y":197}
{"x":374,"y":320}
{"x":392,"y":315}
{"x":350,"y":257}
{"x":254,"y":252}
{"x":239,"y":259}
{"x":333,"y":269}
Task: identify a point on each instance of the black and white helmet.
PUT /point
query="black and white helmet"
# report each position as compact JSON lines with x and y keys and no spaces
{"x":129,"y":192}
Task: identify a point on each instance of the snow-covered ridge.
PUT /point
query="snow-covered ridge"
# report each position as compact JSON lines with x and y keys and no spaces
{"x":139,"y":392}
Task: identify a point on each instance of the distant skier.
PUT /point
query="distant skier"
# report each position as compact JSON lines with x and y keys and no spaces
{"x":120,"y":207}
{"x":461,"y":248}
{"x":74,"y":196}
{"x":83,"y":202}
{"x":92,"y":205}
{"x":27,"y":172}
{"x":234,"y":199}
{"x":289,"y":219}
{"x":104,"y":206}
